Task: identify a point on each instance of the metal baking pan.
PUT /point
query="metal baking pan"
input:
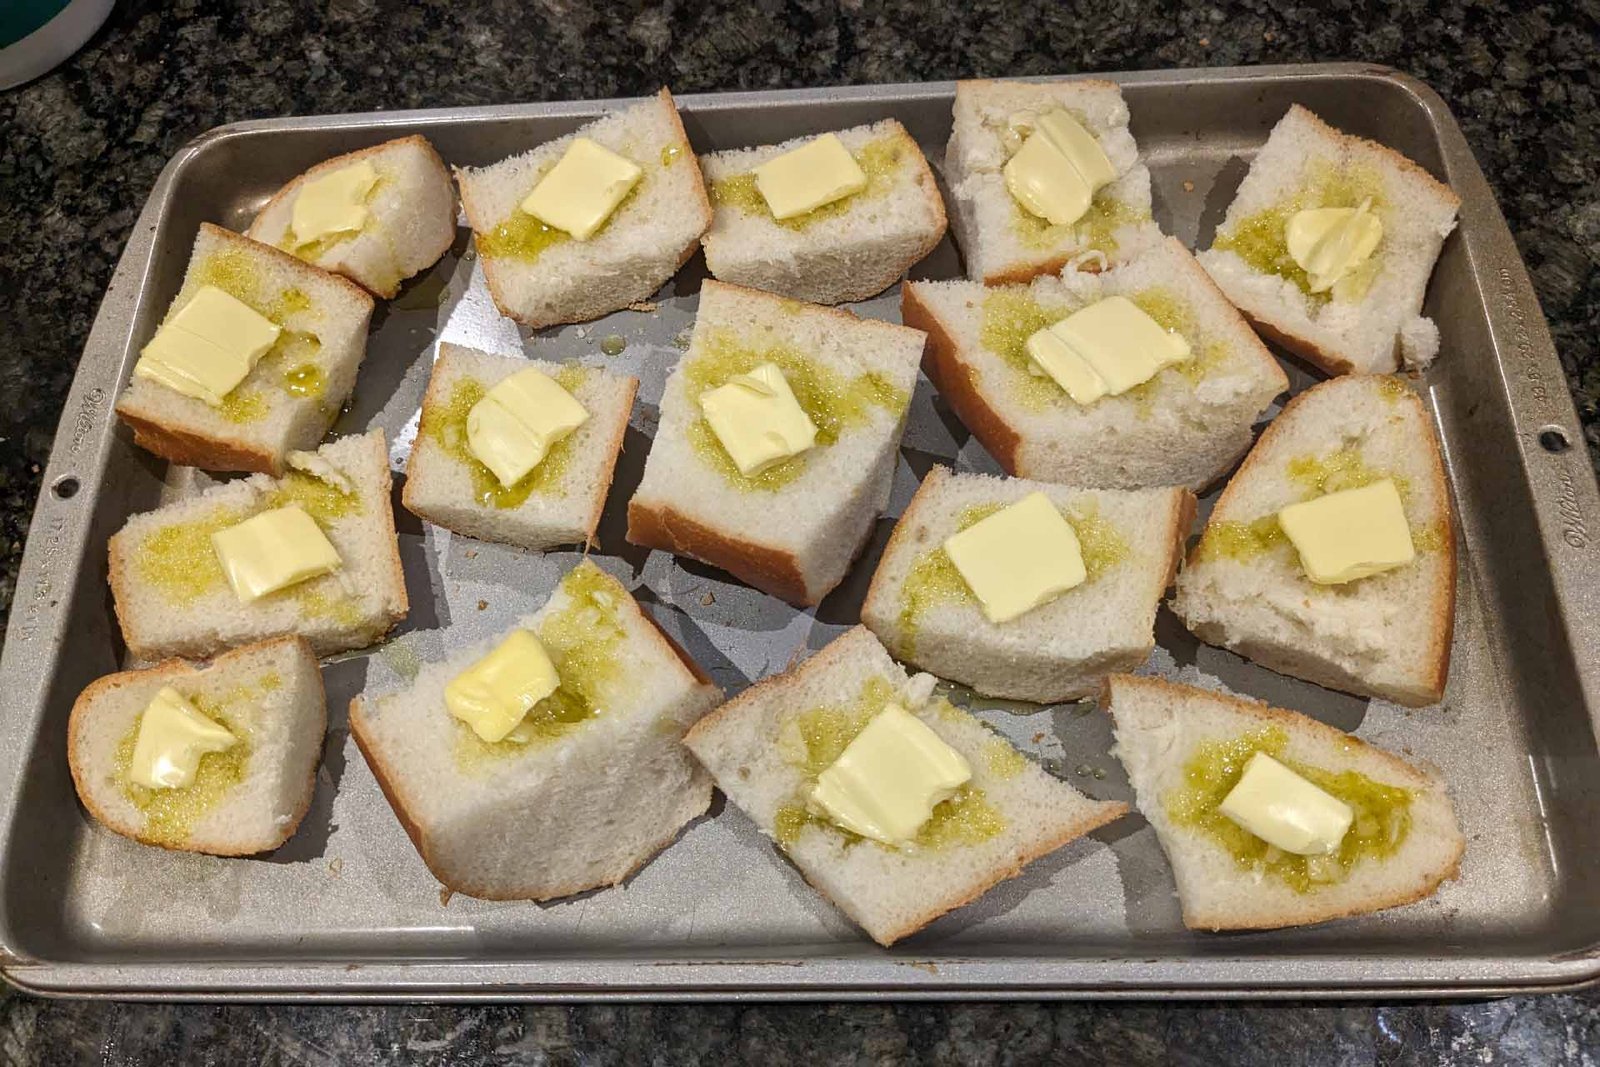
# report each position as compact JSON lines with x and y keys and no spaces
{"x":346,"y":910}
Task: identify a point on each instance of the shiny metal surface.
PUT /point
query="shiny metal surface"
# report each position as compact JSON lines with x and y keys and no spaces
{"x":346,"y":909}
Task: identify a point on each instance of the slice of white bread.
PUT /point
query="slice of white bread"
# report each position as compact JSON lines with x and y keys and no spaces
{"x":294,"y":393}
{"x":1001,"y":242}
{"x":763,"y":752}
{"x":794,"y":531}
{"x":924,"y":613}
{"x":651,"y":234}
{"x":172,"y":598}
{"x":411,"y":216}
{"x":246,"y":800}
{"x":559,"y":502}
{"x":572,"y":810}
{"x":1242,"y":587}
{"x":1160,"y":730}
{"x":1307,"y":164}
{"x":849,"y":250}
{"x":1187,"y":426}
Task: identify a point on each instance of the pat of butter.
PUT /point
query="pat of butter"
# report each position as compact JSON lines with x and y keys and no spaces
{"x":1285,"y":810}
{"x":757,"y":419}
{"x":513,"y":427}
{"x":208,"y":346}
{"x":1330,"y":242}
{"x":1104,"y":349}
{"x":1350,"y":534}
{"x":886,"y":782}
{"x":1058,"y":169}
{"x":334,"y":203}
{"x":1019,"y":558}
{"x":173,"y":736}
{"x":273,"y":550}
{"x":811,"y":176}
{"x":495,"y":694}
{"x":582,"y":190}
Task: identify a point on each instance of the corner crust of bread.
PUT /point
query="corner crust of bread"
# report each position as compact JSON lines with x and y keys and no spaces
{"x":192,"y":448}
{"x":954,"y":381}
{"x":771,"y":570}
{"x":1105,"y":812}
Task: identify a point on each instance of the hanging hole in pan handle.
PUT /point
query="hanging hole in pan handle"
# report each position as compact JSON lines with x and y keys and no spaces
{"x":1554,"y":439}
{"x":65,"y":487}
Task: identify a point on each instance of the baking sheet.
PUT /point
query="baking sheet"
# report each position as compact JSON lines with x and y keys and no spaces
{"x":347,"y":910}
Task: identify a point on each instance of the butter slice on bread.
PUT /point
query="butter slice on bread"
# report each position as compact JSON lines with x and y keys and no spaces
{"x":293,"y":394}
{"x":268,"y":695}
{"x":1160,"y":727}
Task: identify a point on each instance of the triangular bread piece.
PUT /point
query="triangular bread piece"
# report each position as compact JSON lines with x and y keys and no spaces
{"x":1243,"y":586}
{"x":1404,"y":842}
{"x":758,"y":747}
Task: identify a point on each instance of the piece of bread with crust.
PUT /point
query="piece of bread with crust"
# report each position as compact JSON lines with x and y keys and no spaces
{"x":1187,"y":426}
{"x":293,"y":394}
{"x":1243,"y":588}
{"x":764,"y":754}
{"x":540,"y":276}
{"x":559,"y":501}
{"x":851,"y":249}
{"x":411,"y":218}
{"x":924,"y":613}
{"x":791,"y":531}
{"x":172,"y":598}
{"x":1308,"y":164}
{"x":1000,"y":241}
{"x":1185,"y":748}
{"x":247,"y":799}
{"x":591,"y":798}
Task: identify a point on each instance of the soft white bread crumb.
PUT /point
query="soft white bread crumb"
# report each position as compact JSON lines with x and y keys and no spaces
{"x":749,"y":743}
{"x":1000,"y":242}
{"x":1158,"y":728}
{"x":446,"y":485}
{"x":555,"y":817}
{"x":922,"y":611}
{"x":411,"y":216}
{"x":796,"y":541}
{"x":1387,"y":635}
{"x":268,"y":695}
{"x":1187,"y":426}
{"x":650,"y":235}
{"x":848,"y":251}
{"x":274,"y":411}
{"x":1418,"y":212}
{"x":172,"y":598}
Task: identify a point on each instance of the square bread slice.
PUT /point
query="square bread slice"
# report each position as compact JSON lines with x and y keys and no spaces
{"x":560,"y":500}
{"x":538,"y":275}
{"x":923,"y":611}
{"x":1308,"y":164}
{"x":1243,"y":588}
{"x":294,"y":393}
{"x":583,"y":805}
{"x":1187,"y":426}
{"x":172,"y":598}
{"x":848,"y":250}
{"x":1001,"y":242}
{"x":411,"y":217}
{"x":766,"y":746}
{"x":1184,"y":749}
{"x":248,"y":799}
{"x":791,"y":531}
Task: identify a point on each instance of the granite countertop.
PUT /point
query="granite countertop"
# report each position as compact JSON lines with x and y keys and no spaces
{"x":82,"y":148}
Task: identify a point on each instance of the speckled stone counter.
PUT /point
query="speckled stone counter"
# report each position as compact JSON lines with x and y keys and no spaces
{"x":80,"y":149}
